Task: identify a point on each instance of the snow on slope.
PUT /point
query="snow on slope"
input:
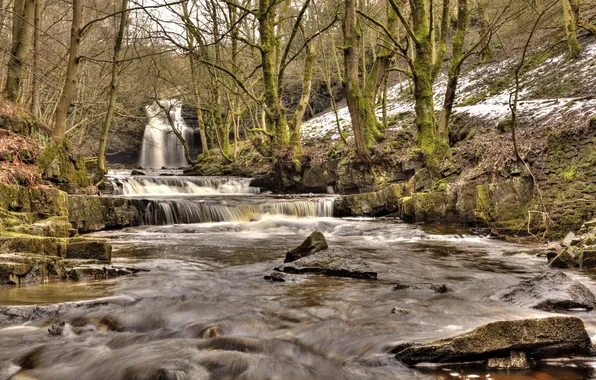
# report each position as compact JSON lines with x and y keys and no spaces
{"x":555,"y":90}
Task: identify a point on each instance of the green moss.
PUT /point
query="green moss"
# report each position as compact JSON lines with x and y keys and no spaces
{"x":570,"y":174}
{"x":58,"y":165}
{"x":505,"y":125}
{"x":484,"y":208}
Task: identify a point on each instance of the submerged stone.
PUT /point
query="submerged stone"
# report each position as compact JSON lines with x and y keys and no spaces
{"x":549,"y":292}
{"x":314,"y":243}
{"x":538,"y":338}
{"x":331,"y":263}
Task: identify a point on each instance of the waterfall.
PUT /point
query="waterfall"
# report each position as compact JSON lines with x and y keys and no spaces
{"x":161,"y":147}
{"x":164,"y":212}
{"x":178,"y":185}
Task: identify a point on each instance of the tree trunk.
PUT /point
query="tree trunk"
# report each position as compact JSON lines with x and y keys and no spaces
{"x":423,"y":83}
{"x":275,"y":115}
{"x":457,"y":58}
{"x":35,"y":93}
{"x":103,"y":142}
{"x":362,"y":114}
{"x":195,"y":80}
{"x":487,"y":50}
{"x":296,"y":123}
{"x":22,"y":35}
{"x":66,"y":98}
{"x":570,"y":30}
{"x":444,"y":35}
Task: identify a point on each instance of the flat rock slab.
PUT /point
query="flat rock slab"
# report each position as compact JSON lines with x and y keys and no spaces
{"x":330,"y":263}
{"x":549,"y":292}
{"x":539,"y":338}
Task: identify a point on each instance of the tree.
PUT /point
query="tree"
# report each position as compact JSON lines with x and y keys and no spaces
{"x":570,"y":29}
{"x":68,"y":89}
{"x":22,"y":36}
{"x":116,"y":65}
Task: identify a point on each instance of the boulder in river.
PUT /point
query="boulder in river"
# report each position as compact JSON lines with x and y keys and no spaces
{"x":553,"y":291}
{"x":538,"y":338}
{"x":563,"y":260}
{"x":331,"y":263}
{"x":314,"y":243}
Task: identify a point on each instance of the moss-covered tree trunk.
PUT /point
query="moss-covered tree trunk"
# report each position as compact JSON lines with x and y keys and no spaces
{"x":423,"y":84}
{"x":362,"y":113}
{"x":22,"y":36}
{"x":457,"y":58}
{"x":116,"y":64}
{"x":570,"y":29}
{"x":275,"y":115}
{"x":61,"y":115}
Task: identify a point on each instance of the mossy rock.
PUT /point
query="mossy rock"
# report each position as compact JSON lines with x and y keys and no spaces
{"x":49,"y":246}
{"x":58,"y":165}
{"x":48,"y":201}
{"x":89,"y":249}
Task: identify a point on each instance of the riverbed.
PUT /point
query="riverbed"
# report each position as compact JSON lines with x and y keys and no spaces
{"x":206,"y":279}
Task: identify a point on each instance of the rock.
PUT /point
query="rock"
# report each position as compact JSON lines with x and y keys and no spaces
{"x":89,"y":249}
{"x":211,"y":332}
{"x":568,"y":240}
{"x":553,"y":291}
{"x":441,"y":289}
{"x":137,"y":172}
{"x":89,"y":213}
{"x":330,"y":263}
{"x":383,"y":202}
{"x":515,"y":360}
{"x":275,"y":277}
{"x":314,"y":243}
{"x":398,"y":310}
{"x":563,"y":260}
{"x":550,"y":255}
{"x":57,"y":329}
{"x":587,"y":258}
{"x":538,"y":338}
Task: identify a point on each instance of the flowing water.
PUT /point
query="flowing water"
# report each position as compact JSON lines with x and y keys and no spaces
{"x":206,"y":278}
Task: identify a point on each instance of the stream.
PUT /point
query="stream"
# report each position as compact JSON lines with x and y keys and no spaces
{"x":208,"y":242}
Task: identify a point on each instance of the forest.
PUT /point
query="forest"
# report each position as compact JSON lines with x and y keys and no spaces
{"x":307,"y":189}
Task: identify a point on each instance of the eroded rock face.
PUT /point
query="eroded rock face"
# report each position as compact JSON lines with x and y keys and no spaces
{"x":314,"y":243}
{"x":331,"y":263}
{"x":538,"y":338}
{"x":550,"y":292}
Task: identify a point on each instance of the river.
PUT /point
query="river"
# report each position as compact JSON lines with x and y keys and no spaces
{"x":206,"y":278}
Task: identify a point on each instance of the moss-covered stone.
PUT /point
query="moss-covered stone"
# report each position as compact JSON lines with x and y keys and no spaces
{"x":91,"y":213}
{"x":90,"y":249}
{"x":58,"y":165}
{"x":49,"y":246}
{"x":378,"y":203}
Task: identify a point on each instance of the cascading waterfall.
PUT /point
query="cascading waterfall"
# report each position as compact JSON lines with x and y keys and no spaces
{"x":165,"y":212}
{"x":154,"y":185}
{"x":161,"y":147}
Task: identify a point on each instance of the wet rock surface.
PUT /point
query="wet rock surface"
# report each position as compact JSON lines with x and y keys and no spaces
{"x":538,"y":338}
{"x":314,"y":243}
{"x":515,"y":360}
{"x":331,"y":263}
{"x":550,"y":292}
